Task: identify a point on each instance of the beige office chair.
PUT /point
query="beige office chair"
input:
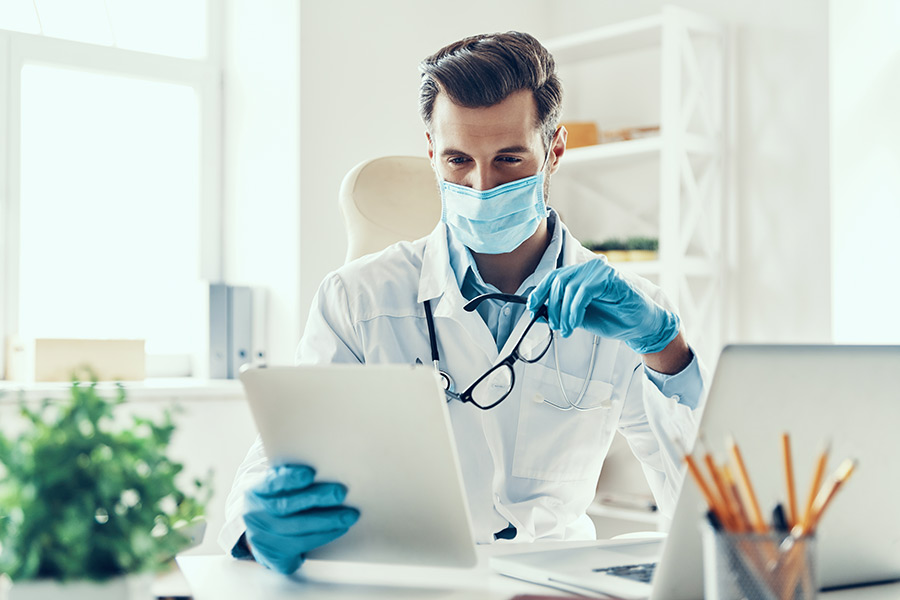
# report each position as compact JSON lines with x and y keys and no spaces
{"x":386,"y":200}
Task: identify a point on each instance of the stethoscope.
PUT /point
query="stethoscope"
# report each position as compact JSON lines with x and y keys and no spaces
{"x":448,"y":384}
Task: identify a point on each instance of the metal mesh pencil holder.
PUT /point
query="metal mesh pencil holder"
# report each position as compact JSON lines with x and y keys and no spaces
{"x":753,"y":566}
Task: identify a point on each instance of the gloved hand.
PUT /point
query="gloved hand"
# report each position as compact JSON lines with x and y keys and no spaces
{"x":593,"y":295}
{"x":288,"y":515}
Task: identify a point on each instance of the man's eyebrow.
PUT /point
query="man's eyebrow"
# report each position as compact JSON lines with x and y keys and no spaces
{"x":452,"y":152}
{"x":507,"y":150}
{"x":513,"y":150}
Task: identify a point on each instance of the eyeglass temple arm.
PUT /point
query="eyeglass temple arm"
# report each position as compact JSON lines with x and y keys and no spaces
{"x":475,"y":302}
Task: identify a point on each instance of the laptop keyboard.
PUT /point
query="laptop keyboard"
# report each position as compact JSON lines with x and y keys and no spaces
{"x":642,"y":572}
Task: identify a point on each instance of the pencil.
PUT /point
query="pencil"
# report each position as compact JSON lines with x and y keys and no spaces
{"x":704,"y":488}
{"x":759,"y":525}
{"x":727,"y":511}
{"x":828,"y":491}
{"x":791,"y":516}
{"x":743,"y":523}
{"x":814,"y":488}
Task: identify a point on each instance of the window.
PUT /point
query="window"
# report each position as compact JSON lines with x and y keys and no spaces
{"x":111,"y":218}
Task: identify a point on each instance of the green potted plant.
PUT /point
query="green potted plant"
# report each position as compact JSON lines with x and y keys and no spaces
{"x":642,"y":248}
{"x":633,"y":248}
{"x":614,"y":249}
{"x":89,"y":509}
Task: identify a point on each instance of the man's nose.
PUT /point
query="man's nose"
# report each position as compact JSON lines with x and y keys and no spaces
{"x":481,"y":178}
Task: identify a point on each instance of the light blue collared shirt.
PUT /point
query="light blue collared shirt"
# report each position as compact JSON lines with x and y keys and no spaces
{"x":501,"y":317}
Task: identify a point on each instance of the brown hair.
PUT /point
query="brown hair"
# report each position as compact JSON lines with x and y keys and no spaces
{"x":482,"y":70}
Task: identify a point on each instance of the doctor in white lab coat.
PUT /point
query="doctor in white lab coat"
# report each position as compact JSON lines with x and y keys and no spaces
{"x":530,"y":464}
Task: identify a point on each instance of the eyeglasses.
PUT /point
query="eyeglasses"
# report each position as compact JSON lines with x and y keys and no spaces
{"x":495,"y":385}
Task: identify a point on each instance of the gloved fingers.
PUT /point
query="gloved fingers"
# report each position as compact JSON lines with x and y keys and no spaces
{"x":285,"y":553}
{"x":272,"y":546}
{"x":304,"y":523}
{"x":317,"y":495}
{"x":315,"y":540}
{"x":569,"y":316}
{"x":538,"y":296}
{"x":555,"y":300}
{"x":285,"y":478}
{"x":275,"y":559}
{"x":577,"y":307}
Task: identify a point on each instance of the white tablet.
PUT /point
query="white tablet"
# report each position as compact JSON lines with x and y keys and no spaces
{"x":384,"y":432}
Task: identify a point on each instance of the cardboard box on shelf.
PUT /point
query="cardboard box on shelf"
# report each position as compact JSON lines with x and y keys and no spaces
{"x":47,"y":359}
{"x":627,"y":133}
{"x":580,"y":133}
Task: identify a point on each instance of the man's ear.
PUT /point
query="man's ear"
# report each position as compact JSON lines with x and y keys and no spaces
{"x":430,"y":146}
{"x":558,"y":148}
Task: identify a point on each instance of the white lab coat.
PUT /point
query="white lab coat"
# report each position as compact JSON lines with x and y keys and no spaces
{"x":524,"y":462}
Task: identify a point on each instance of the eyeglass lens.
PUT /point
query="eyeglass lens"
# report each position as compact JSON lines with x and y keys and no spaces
{"x":495,"y":385}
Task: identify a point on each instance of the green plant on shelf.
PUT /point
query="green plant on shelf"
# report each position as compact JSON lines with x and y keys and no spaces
{"x":81,"y":498}
{"x":631,"y":243}
{"x":642,"y":243}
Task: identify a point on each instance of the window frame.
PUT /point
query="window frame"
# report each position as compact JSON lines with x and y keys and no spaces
{"x":204,"y":75}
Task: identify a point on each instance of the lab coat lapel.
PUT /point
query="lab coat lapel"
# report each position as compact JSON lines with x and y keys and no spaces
{"x":438,"y":284}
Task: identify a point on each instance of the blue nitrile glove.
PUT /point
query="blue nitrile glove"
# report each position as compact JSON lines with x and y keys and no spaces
{"x":593,"y":295}
{"x":288,"y":515}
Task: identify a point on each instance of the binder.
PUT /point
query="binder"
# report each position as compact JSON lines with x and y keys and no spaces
{"x":218,"y":331}
{"x":259,"y":344}
{"x":240,"y":328}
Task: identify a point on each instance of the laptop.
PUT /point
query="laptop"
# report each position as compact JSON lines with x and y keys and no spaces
{"x":848,"y":396}
{"x":384,"y":432}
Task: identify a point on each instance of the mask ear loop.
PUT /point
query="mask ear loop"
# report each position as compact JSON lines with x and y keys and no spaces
{"x":549,"y":150}
{"x":544,"y":166}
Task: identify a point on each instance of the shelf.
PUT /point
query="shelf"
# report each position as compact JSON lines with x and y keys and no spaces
{"x":640,"y":267}
{"x":625,"y":514}
{"x":638,"y":34}
{"x":613,"y":39}
{"x":151,"y":389}
{"x":691,"y":266}
{"x":649,"y":147}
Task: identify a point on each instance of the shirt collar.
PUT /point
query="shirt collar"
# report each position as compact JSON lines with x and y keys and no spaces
{"x":463,"y":267}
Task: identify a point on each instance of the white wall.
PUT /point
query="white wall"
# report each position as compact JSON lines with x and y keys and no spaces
{"x":865,"y":169}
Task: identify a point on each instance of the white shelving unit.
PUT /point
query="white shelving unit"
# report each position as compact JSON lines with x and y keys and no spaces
{"x":687,"y":156}
{"x":684,"y":208}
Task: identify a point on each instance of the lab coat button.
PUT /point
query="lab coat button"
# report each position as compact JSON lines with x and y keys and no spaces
{"x":538,"y":398}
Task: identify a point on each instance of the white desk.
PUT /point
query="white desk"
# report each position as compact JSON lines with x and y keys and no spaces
{"x":222,"y":578}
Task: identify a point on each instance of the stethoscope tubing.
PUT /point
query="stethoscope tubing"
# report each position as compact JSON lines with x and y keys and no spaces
{"x":448,"y":384}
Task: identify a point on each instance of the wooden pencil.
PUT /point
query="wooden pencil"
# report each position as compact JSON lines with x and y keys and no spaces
{"x":792,"y":515}
{"x":704,"y":487}
{"x":757,"y":521}
{"x":814,"y":487}
{"x":828,"y":491}
{"x":741,"y":519}
{"x":727,"y":510}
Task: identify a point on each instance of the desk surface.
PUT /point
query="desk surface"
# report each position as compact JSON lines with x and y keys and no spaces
{"x":223,"y":578}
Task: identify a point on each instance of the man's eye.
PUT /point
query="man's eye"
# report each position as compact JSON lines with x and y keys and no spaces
{"x":509,"y":159}
{"x":457,"y":160}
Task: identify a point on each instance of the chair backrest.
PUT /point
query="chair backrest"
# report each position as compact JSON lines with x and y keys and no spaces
{"x":386,"y":200}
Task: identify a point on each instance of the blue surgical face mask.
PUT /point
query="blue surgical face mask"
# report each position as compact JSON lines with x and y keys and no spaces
{"x":498,"y":220}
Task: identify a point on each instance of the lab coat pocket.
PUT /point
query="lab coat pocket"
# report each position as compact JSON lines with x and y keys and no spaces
{"x":561,"y":445}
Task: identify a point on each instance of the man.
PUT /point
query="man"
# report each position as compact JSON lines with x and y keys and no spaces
{"x":531,"y":448}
